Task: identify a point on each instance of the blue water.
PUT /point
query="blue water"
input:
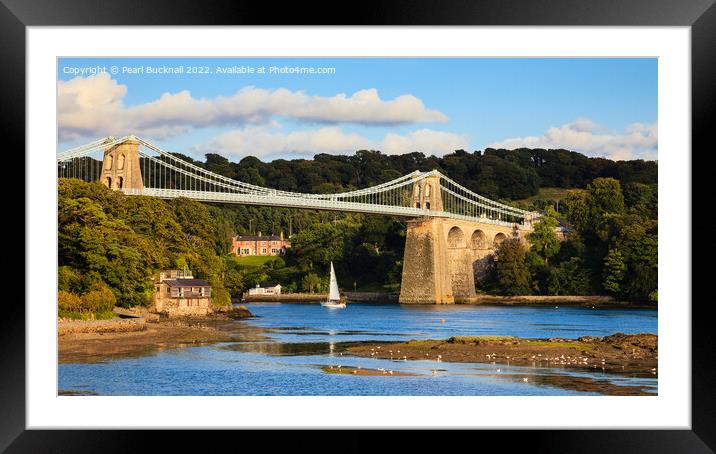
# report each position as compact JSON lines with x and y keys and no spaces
{"x":398,"y":322}
{"x":301,"y":338}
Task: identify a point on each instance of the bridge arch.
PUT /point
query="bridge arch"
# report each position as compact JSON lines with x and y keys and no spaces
{"x":479,"y":240}
{"x":499,"y":239}
{"x":456,"y":239}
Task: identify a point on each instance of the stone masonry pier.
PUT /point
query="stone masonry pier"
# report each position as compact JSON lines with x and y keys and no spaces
{"x":443,"y":256}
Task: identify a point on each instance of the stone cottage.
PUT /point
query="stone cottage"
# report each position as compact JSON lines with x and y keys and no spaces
{"x":178,"y":293}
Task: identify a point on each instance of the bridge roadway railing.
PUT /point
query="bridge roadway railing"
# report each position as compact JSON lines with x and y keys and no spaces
{"x":308,"y":203}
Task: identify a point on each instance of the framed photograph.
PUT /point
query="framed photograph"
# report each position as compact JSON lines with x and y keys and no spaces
{"x":415,"y":218}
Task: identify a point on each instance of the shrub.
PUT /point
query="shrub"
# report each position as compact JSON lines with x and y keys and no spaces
{"x":68,"y":302}
{"x":99,"y":299}
{"x":220,"y":297}
{"x":69,"y":279}
{"x":104,"y":315}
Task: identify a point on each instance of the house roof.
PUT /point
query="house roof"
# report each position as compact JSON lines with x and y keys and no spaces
{"x":258,"y":238}
{"x":186,"y":283}
{"x":270,"y":285}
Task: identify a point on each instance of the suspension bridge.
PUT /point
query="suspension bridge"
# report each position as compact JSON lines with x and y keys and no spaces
{"x":452,"y":231}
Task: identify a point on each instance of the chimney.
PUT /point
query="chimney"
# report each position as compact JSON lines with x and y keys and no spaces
{"x":282,"y":235}
{"x":259,"y":232}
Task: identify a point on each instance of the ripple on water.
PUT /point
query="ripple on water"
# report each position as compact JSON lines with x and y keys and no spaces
{"x":273,"y":355}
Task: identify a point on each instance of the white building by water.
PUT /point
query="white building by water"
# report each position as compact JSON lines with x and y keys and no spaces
{"x":265,"y":289}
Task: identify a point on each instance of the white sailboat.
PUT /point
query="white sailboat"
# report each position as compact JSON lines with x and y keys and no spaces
{"x":334,"y":296}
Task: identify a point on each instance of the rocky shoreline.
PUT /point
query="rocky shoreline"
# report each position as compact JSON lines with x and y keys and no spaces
{"x":83,"y":341}
{"x":636,"y":354}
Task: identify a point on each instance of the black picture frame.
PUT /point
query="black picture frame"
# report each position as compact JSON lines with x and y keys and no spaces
{"x":700,"y":15}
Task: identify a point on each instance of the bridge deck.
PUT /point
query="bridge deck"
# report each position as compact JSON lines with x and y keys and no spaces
{"x":313,"y":204}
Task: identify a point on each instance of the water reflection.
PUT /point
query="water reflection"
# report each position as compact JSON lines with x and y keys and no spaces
{"x":290,"y":349}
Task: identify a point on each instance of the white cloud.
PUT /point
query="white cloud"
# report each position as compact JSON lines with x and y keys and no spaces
{"x":637,"y":141}
{"x":268,"y":143}
{"x":93,"y":106}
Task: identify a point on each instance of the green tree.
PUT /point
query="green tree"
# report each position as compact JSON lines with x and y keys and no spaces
{"x":569,"y":278}
{"x":310,"y":282}
{"x":577,"y":208}
{"x":544,"y":238}
{"x":614,"y":271}
{"x":605,"y":196}
{"x":513,"y":277}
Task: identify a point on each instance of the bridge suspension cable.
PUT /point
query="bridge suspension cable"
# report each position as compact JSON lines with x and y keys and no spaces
{"x":165,"y":174}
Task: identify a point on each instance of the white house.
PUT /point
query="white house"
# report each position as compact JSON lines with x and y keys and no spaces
{"x":265,"y":289}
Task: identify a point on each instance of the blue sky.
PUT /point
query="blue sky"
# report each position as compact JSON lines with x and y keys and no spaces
{"x":601,"y":107}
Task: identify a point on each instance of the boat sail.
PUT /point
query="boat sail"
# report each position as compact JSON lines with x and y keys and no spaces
{"x":334,"y":296}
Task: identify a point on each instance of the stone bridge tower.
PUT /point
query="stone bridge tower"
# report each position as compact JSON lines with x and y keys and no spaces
{"x":120,"y":167}
{"x":426,"y":194}
{"x":443,"y":255}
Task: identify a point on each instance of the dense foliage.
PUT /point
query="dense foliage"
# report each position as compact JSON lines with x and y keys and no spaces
{"x":110,"y":241}
{"x":611,"y":247}
{"x":498,"y":174}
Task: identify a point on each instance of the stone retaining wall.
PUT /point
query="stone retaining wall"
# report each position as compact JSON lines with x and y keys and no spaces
{"x":114,"y":325}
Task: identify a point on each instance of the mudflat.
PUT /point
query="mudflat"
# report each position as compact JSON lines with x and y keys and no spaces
{"x":101,"y":340}
{"x":636,"y":354}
